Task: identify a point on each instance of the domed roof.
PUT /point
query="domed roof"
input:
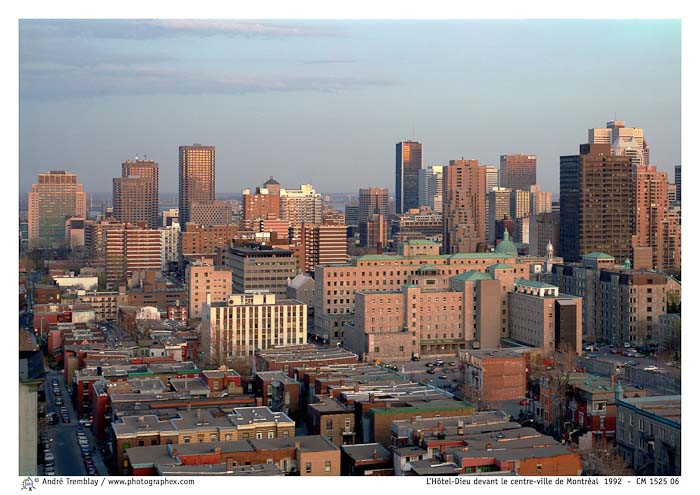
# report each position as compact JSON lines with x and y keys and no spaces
{"x":506,"y":246}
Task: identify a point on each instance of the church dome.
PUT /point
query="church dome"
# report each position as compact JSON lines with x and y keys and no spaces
{"x":506,"y":247}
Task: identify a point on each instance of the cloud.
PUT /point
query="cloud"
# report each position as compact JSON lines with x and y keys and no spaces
{"x":79,"y":53}
{"x":52,"y":82}
{"x":163,"y":28}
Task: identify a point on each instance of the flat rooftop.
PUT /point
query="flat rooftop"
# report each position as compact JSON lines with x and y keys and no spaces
{"x":366,"y":452}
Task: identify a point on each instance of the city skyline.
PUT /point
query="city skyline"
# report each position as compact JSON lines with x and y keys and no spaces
{"x":335,"y":105}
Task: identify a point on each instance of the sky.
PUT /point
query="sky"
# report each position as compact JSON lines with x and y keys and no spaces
{"x":325,"y":102}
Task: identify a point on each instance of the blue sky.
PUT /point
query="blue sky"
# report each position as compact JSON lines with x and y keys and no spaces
{"x":326,"y":101}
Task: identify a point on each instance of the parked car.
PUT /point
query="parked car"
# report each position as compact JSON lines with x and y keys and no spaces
{"x":431,"y":371}
{"x":451,"y":363}
{"x":651,"y":368}
{"x":523,"y":402}
{"x":443,"y":377}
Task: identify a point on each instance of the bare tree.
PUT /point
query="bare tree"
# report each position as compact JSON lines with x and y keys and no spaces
{"x":605,"y":462}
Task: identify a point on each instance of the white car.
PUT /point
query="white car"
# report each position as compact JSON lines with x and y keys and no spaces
{"x":651,"y":368}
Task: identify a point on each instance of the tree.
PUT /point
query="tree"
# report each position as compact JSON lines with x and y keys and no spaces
{"x":605,"y":462}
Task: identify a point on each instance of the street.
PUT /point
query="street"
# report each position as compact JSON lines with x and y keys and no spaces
{"x":62,"y":436}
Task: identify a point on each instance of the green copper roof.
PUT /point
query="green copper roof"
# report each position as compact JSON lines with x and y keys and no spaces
{"x":475,"y":256}
{"x":472,"y":276}
{"x":534,"y":283}
{"x":598,"y":256}
{"x":412,"y":242}
{"x":506,"y":246}
{"x":380,"y":257}
{"x":500,"y":266}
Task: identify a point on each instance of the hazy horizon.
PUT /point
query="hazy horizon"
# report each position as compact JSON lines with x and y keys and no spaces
{"x":325,"y":102}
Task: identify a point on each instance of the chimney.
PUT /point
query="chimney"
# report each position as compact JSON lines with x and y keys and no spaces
{"x":375,"y":456}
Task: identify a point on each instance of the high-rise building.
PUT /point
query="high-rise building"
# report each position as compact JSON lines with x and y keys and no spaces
{"x":409,"y":162}
{"x":431,"y":187}
{"x":492,"y":178}
{"x":352,"y":214}
{"x":677,"y":181}
{"x":464,"y":207}
{"x":623,"y":141}
{"x":197,"y":174}
{"x":651,"y":208}
{"x":56,"y":197}
{"x":540,"y":201}
{"x":596,"y":203}
{"x":169,"y":216}
{"x":263,"y":204}
{"x":211,"y":213}
{"x":170,"y":244}
{"x":374,"y":233}
{"x":544,"y":228}
{"x":198,"y":241}
{"x":131,"y":248}
{"x":519,"y":203}
{"x":498,"y":208}
{"x":303,"y":205}
{"x":135,"y":193}
{"x":373,"y":200}
{"x":322,"y":245}
{"x":518,"y":171}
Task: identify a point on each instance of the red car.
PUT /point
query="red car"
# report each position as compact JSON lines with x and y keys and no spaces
{"x":523,"y":402}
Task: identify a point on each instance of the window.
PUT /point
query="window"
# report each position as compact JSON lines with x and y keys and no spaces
{"x":308,"y":467}
{"x":186,"y":440}
{"x":212,"y":437}
{"x":258,"y":435}
{"x":328,"y":467}
{"x":347,"y":422}
{"x":329,"y":424}
{"x":539,"y":468}
{"x":270,"y":434}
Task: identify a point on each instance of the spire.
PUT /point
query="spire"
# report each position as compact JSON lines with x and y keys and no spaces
{"x":506,"y":235}
{"x":627,"y":264}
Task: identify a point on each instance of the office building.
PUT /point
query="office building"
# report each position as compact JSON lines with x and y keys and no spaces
{"x":135,"y":193}
{"x":246,"y":323}
{"x":677,"y":180}
{"x":198,"y":241}
{"x":373,"y":200}
{"x":75,"y":233}
{"x":374,"y":233}
{"x":596,"y":203}
{"x":211,"y":213}
{"x":260,"y":269}
{"x":498,"y":208}
{"x":169,"y":216}
{"x":518,"y":171}
{"x":622,"y":141}
{"x":492,"y":178}
{"x":409,"y":162}
{"x":197,"y":178}
{"x":464,"y":207}
{"x":431,"y":187}
{"x":352,"y":214}
{"x":651,"y":209}
{"x":544,"y":229}
{"x":56,"y":197}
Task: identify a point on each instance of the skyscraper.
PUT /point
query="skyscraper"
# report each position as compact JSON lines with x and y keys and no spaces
{"x":431,"y":187}
{"x":135,"y":193}
{"x":623,"y":141}
{"x":464,"y":207}
{"x":597,"y":203}
{"x":303,"y":205}
{"x":197,"y":172}
{"x":492,"y":178}
{"x":498,"y":209}
{"x":409,"y":161}
{"x":651,"y":210}
{"x":678,"y":184}
{"x":518,"y":171}
{"x":372,"y":200}
{"x":56,"y":197}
